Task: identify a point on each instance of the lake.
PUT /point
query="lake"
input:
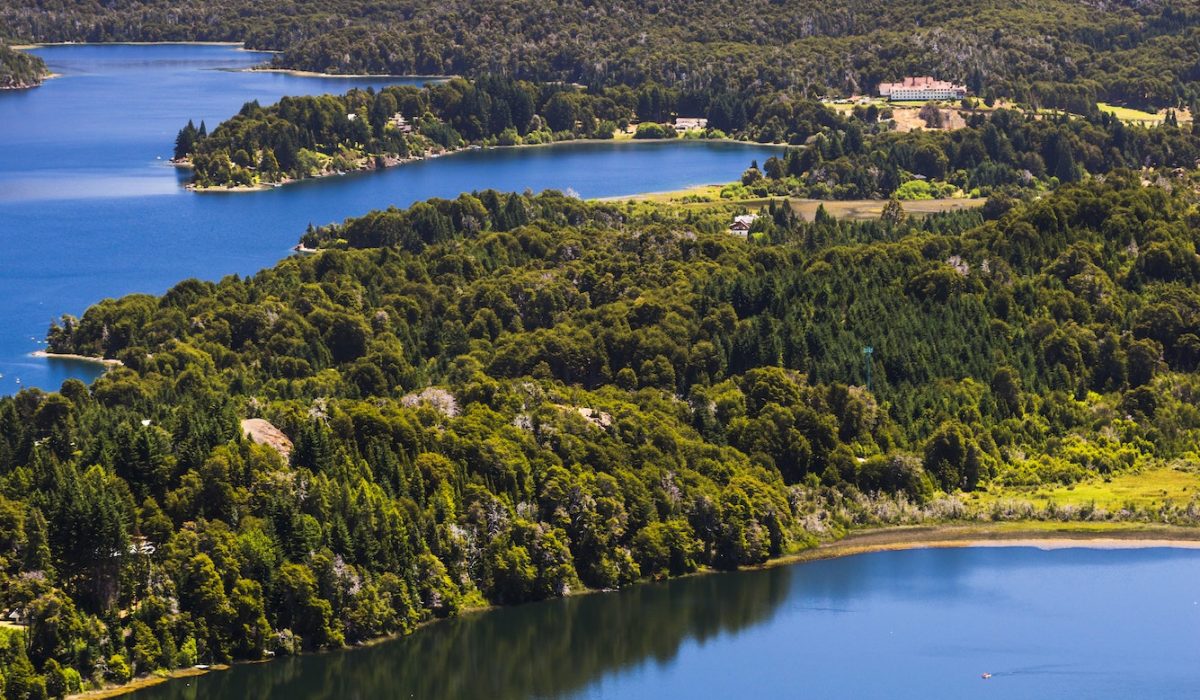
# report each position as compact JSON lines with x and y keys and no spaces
{"x":1084,"y":623}
{"x":90,"y":208}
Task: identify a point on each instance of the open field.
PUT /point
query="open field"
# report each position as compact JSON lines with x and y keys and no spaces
{"x":858,"y":209}
{"x":872,"y":208}
{"x":1149,"y":488}
{"x":1127,"y":114}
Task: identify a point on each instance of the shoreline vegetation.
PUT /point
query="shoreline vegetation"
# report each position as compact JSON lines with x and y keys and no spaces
{"x":368,"y":165}
{"x":1039,"y":534}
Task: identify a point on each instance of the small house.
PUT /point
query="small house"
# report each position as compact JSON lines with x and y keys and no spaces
{"x":741,"y":224}
{"x":690,"y":123}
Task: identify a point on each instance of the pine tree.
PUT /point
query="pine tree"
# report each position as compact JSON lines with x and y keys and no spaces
{"x":185,"y":141}
{"x":893,"y":214}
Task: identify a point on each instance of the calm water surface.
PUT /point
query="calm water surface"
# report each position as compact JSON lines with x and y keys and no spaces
{"x":89,"y":208}
{"x":1074,"y":623}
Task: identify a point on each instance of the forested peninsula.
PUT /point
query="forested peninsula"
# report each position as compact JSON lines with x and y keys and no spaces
{"x":1044,"y":53}
{"x":502,"y":398}
{"x":20,"y":70}
{"x":857,"y":153}
{"x":303,"y":137}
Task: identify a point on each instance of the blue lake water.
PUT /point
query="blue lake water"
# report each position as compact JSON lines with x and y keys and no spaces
{"x":921,"y":624}
{"x":89,"y":207}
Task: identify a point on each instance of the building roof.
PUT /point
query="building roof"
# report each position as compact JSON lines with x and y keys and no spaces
{"x":742,"y":222}
{"x":922,"y":82}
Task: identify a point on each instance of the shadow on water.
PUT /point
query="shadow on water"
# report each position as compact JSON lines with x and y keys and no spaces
{"x":546,"y":649}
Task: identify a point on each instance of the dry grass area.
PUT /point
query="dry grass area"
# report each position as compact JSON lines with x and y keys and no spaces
{"x":909,"y":119}
{"x":855,"y":209}
{"x":860,"y":209}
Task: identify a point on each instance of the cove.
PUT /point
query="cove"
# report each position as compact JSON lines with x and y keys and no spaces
{"x":89,"y":207}
{"x":921,"y":623}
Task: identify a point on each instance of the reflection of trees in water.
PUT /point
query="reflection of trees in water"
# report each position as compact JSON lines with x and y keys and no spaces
{"x":542,"y":649}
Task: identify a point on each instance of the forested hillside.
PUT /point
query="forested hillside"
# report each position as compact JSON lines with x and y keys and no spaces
{"x":19,"y":69}
{"x":1122,"y":51}
{"x":502,"y":398}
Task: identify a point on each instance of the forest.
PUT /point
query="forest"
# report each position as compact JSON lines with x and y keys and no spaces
{"x":19,"y":69}
{"x":507,"y":397}
{"x":1120,"y":51}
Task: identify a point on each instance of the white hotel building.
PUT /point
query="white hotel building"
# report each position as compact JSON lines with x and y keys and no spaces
{"x":922,"y":89}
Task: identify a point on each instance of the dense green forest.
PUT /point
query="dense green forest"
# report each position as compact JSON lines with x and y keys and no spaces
{"x":19,"y":69}
{"x":1041,"y":51}
{"x":503,"y":397}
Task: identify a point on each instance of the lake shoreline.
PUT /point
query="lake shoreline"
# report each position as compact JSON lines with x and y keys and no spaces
{"x":318,"y":74}
{"x":1040,"y":534}
{"x":46,"y":44}
{"x":28,"y":85}
{"x":46,"y":354}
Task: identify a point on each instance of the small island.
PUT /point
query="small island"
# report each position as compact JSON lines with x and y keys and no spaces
{"x":20,"y":70}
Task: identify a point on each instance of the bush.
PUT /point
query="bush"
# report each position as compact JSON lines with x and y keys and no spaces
{"x":118,"y":669}
{"x":651,"y":130}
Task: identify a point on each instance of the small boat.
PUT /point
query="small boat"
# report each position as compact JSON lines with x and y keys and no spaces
{"x":986,"y":676}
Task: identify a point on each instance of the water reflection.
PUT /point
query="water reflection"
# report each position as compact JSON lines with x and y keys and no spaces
{"x":548,"y":649}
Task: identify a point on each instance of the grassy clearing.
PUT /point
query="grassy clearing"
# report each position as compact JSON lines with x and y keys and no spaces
{"x":1127,"y":114}
{"x":1137,"y":116}
{"x":861,"y":209}
{"x":855,"y":209}
{"x":1149,"y":488}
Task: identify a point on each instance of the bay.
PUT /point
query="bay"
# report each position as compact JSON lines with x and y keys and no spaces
{"x":90,"y":208}
{"x":927,"y":623}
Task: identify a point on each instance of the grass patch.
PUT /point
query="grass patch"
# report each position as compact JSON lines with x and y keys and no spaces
{"x":854,"y":209}
{"x":1149,"y":488}
{"x":1128,"y":114}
